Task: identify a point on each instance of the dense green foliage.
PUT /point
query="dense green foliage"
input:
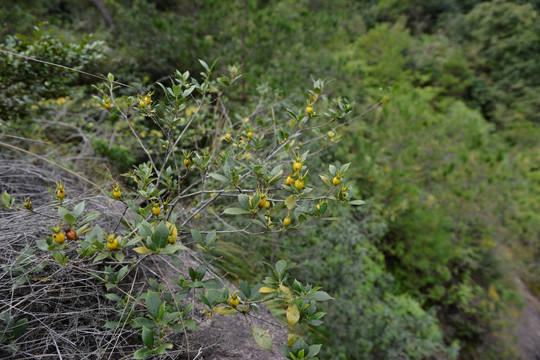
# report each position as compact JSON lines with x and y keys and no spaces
{"x":448,"y":166}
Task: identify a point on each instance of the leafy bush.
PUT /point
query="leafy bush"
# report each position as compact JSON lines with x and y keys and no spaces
{"x":26,"y":82}
{"x":242,"y":177}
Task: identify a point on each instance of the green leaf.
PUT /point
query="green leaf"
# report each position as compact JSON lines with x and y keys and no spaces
{"x":19,"y":327}
{"x":300,"y":345}
{"x":122,"y":272}
{"x":188,"y":91}
{"x":212,"y":284}
{"x":91,"y":216}
{"x":255,"y":200}
{"x":196,"y":234}
{"x":236,"y":211}
{"x":160,"y":236}
{"x":161,"y":312}
{"x":281,"y":265}
{"x":145,"y":229}
{"x":61,"y":258}
{"x":357,"y":202}
{"x":344,"y":168}
{"x":204,"y":65}
{"x":161,"y":348}
{"x":201,"y":271}
{"x":205,"y":300}
{"x":188,"y":309}
{"x":110,"y":286}
{"x":113,"y":297}
{"x":290,"y":202}
{"x":70,"y":219}
{"x":314,"y":350}
{"x":260,"y":223}
{"x":142,"y":353}
{"x":326,"y":180}
{"x":119,"y":256}
{"x":276,"y":171}
{"x":211,"y":236}
{"x":190,"y":324}
{"x":145,"y":322}
{"x":332,"y":169}
{"x":243,"y":199}
{"x":193,"y":274}
{"x":173,"y":249}
{"x":110,"y":77}
{"x":148,"y":337}
{"x":262,"y":338}
{"x":319,"y":296}
{"x":42,"y":245}
{"x":112,"y":324}
{"x":318,"y":315}
{"x":153,"y":303}
{"x":292,"y":114}
{"x":219,"y":177}
{"x":78,"y":210}
{"x":65,"y":215}
{"x":95,"y":234}
{"x":7,"y":200}
{"x":245,"y":288}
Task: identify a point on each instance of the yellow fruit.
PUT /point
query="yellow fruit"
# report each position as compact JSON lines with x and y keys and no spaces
{"x":289,"y":180}
{"x":147,"y":100}
{"x":60,"y":192}
{"x":297,"y":166}
{"x":262,"y":202}
{"x":173,"y":233}
{"x":309,"y":110}
{"x":112,"y":242}
{"x":58,"y":237}
{"x":142,"y":103}
{"x":249,"y":134}
{"x":156,"y":210}
{"x":318,"y":206}
{"x":286,"y":222}
{"x":299,"y":184}
{"x":108,"y":106}
{"x":336,"y":181}
{"x":112,"y":245}
{"x":187,"y":162}
{"x":117,"y":194}
{"x":267,"y":204}
{"x":234,"y":301}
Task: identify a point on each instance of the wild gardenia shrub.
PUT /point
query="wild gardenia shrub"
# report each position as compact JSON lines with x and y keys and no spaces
{"x":216,"y":171}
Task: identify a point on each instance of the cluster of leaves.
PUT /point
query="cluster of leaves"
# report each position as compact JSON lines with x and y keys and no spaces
{"x":234,"y":169}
